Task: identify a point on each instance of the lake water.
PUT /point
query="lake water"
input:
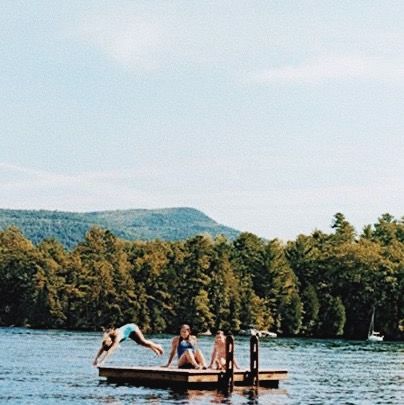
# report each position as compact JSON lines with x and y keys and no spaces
{"x":52,"y":367}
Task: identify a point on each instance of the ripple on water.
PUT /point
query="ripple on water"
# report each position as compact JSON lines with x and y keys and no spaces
{"x":48,"y":367}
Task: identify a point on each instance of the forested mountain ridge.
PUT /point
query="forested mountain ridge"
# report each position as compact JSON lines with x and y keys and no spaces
{"x":69,"y":228}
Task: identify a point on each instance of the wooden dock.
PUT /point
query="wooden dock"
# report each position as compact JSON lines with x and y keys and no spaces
{"x":188,"y":378}
{"x":201,"y":379}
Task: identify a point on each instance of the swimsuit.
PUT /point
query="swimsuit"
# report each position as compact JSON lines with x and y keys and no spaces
{"x":183,"y":346}
{"x":127,"y":330}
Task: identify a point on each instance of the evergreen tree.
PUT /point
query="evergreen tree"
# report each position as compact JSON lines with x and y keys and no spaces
{"x":248,"y":260}
{"x":109,"y":297}
{"x":344,"y":231}
{"x":155,"y":283}
{"x":224,"y":289}
{"x":47,"y":308}
{"x":311,"y":308}
{"x":18,"y":266}
{"x":194,"y":279}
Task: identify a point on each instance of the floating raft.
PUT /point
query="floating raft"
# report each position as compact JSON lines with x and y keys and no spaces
{"x":188,"y":378}
{"x":202,"y":379}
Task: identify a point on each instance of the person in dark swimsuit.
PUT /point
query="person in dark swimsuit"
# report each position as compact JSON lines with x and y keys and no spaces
{"x":113,"y":337}
{"x":186,"y":347}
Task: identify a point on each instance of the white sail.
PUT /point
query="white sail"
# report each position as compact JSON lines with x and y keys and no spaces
{"x":372,"y":335}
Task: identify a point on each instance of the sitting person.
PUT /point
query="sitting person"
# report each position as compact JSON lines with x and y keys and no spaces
{"x":218,"y":358}
{"x":186,"y":347}
{"x":113,"y":337}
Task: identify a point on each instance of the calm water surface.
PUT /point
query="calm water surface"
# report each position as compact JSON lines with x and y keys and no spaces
{"x":52,"y":367}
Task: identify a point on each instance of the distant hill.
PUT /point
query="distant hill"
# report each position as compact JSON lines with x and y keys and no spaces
{"x":70,"y":227}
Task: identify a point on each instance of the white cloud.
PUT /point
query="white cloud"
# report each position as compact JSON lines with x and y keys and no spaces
{"x":131,"y":40}
{"x":149,"y":38}
{"x":334,"y":68}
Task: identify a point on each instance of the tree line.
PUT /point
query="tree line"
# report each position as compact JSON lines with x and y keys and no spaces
{"x":322,"y":284}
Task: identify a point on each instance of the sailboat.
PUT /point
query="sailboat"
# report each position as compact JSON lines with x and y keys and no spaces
{"x":372,"y":335}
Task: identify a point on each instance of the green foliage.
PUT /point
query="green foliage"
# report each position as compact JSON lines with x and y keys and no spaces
{"x":282,"y":291}
{"x":332,"y":317}
{"x":18,"y":266}
{"x":248,"y":260}
{"x":224,"y":289}
{"x":321,"y":284}
{"x":69,"y":228}
{"x":344,"y":231}
{"x":193,"y":283}
{"x":342,"y":278}
{"x":311,"y":309}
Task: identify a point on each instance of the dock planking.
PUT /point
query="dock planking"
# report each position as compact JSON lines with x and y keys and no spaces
{"x":187,"y":378}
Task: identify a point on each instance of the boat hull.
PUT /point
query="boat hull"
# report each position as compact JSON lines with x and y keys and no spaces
{"x":374,"y":338}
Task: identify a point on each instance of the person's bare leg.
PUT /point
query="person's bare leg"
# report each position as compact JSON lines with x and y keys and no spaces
{"x":222,"y":363}
{"x":187,"y":358}
{"x":200,"y":359}
{"x":140,"y":339}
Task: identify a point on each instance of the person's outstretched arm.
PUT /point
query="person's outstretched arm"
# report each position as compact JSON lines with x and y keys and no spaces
{"x":174,"y":344}
{"x":97,"y":356}
{"x":103,"y":354}
{"x":213,"y":357}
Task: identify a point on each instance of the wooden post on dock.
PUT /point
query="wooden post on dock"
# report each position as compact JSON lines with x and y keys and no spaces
{"x":227,"y":380}
{"x":254,"y":374}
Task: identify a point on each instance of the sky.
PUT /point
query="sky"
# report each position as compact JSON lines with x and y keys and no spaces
{"x":268,"y":116}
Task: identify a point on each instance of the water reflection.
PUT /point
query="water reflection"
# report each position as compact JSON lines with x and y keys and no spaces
{"x":240,"y":396}
{"x":247,"y":396}
{"x":187,"y":396}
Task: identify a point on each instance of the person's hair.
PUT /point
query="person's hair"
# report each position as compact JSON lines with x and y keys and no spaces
{"x":185,"y":326}
{"x":219,"y":332}
{"x":188,"y":328}
{"x":108,"y":334}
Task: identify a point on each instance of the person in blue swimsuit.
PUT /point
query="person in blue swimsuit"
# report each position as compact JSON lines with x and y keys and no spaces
{"x":186,"y":347}
{"x":112,"y":338}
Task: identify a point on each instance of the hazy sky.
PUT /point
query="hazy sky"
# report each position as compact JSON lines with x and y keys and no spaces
{"x":269,"y":116}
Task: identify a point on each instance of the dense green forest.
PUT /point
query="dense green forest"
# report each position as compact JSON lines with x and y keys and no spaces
{"x":69,"y":228}
{"x":323,"y":284}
